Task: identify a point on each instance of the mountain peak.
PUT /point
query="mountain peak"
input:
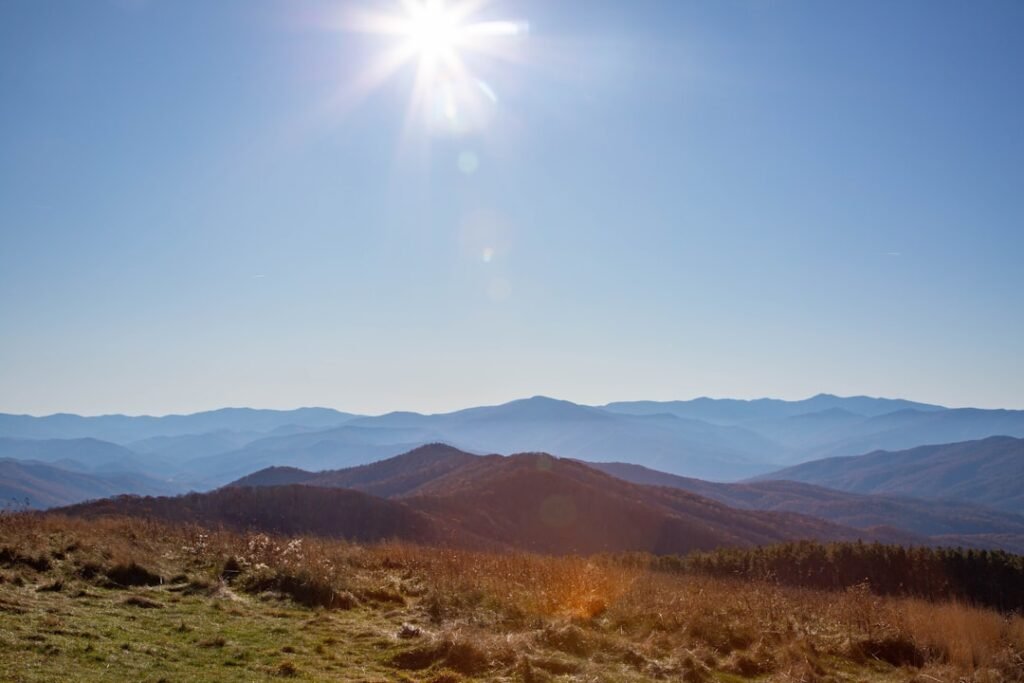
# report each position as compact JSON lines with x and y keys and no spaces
{"x":436,"y":449}
{"x":553,"y":406}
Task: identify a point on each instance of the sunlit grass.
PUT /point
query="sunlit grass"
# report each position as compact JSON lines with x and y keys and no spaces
{"x":256,"y":607}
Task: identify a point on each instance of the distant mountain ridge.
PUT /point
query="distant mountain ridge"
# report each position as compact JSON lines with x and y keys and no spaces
{"x":944,"y":522}
{"x":27,"y":484}
{"x":987,"y":471}
{"x":732,"y":411}
{"x":85,"y":454}
{"x":910,"y":428}
{"x":125,"y":428}
{"x":545,"y":424}
{"x":711,"y":439}
{"x":827,"y":425}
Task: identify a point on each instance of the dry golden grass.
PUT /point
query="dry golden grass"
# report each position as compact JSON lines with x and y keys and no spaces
{"x":518,"y":616}
{"x":967,"y":637}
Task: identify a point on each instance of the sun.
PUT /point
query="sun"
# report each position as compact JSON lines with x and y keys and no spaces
{"x":433,"y":30}
{"x":438,"y":39}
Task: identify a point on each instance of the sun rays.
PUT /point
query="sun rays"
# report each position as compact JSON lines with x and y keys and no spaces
{"x":438,"y":39}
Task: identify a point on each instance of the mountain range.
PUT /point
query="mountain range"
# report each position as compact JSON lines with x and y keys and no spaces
{"x":941,"y":521}
{"x":987,"y":472}
{"x":713,"y":439}
{"x":672,"y":454}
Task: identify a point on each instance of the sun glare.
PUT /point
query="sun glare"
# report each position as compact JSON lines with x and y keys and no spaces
{"x":433,"y":30}
{"x":439,"y":38}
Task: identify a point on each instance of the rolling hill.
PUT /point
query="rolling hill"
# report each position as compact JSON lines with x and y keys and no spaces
{"x":987,"y":472}
{"x":339,"y":513}
{"x":398,"y":476}
{"x":527,"y":501}
{"x":545,"y":504}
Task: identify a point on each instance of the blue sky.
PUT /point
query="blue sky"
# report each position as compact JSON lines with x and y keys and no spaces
{"x":670,"y":199}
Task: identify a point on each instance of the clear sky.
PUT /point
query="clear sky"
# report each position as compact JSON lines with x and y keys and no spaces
{"x":205,"y":204}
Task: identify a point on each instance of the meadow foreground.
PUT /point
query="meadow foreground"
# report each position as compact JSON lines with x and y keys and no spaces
{"x":120,"y":599}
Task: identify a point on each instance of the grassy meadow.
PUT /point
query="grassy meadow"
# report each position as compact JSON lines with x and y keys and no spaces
{"x":130,"y":600}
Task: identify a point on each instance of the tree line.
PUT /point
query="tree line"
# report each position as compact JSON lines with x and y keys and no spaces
{"x":989,"y":578}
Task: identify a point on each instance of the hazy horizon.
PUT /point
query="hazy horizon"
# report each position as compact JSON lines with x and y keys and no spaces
{"x":455,"y":408}
{"x":277,"y":203}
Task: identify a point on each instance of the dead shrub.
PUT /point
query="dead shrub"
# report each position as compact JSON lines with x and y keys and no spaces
{"x":420,"y":657}
{"x":747,"y":666}
{"x":721,"y":633}
{"x":89,"y":570}
{"x":231,"y":569}
{"x":631,"y":657}
{"x":216,"y":641}
{"x":965,"y":637}
{"x":457,"y":653}
{"x":302,"y":588}
{"x":9,"y":557}
{"x":568,"y":638}
{"x":132,"y":574}
{"x":287,"y":669}
{"x":385,"y":595}
{"x":693,"y":671}
{"x":894,"y":650}
{"x":464,"y":656}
